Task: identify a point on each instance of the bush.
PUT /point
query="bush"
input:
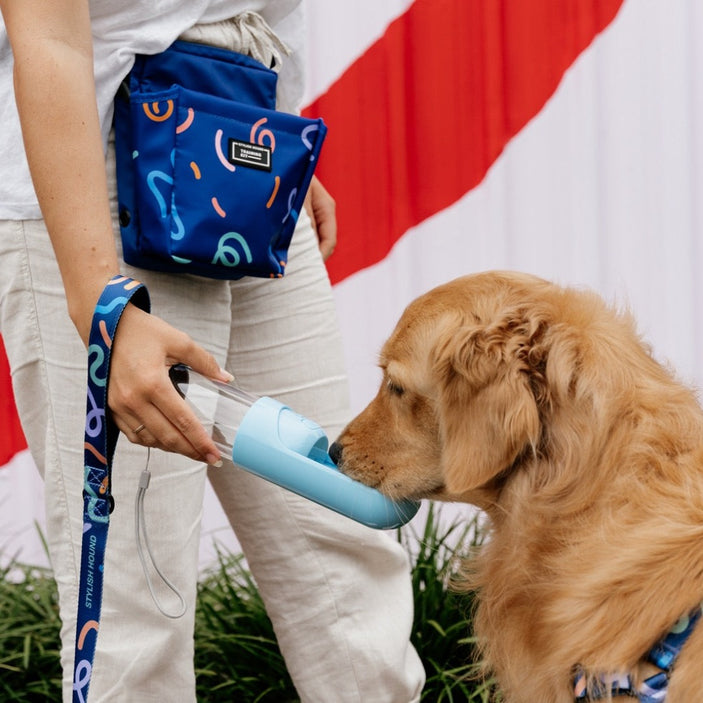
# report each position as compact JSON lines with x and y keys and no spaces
{"x":29,"y":636}
{"x":236,"y":655}
{"x":442,"y":633}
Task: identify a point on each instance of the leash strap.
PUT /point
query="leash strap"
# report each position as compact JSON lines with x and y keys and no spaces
{"x":100,"y":439}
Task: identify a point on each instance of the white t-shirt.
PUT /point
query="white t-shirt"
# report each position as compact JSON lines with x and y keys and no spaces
{"x":122,"y":29}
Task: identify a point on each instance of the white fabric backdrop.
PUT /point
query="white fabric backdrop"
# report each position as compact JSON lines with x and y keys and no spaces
{"x":602,"y":188}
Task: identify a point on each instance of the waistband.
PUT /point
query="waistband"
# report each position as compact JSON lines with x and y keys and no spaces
{"x":246,"y":33}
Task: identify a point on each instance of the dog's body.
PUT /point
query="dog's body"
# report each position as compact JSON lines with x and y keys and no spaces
{"x":542,"y":406}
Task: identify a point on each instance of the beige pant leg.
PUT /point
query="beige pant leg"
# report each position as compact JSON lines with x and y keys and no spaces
{"x":338,"y":593}
{"x":142,"y":656}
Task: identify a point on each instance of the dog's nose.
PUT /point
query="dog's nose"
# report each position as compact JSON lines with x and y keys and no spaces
{"x":336,"y":452}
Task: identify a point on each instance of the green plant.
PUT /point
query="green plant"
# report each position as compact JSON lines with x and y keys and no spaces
{"x":236,"y":654}
{"x":29,"y":635}
{"x":443,"y":634}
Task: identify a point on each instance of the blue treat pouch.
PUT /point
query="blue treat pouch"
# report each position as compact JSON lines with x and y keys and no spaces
{"x":211,"y":178}
{"x":268,"y":439}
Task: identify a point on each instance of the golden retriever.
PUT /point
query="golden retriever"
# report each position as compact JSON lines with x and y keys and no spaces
{"x":542,"y":406}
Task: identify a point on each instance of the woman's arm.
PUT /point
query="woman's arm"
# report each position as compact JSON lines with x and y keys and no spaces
{"x":55,"y":94}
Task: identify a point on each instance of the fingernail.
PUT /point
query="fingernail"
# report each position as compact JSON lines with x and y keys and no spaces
{"x":214,"y":460}
{"x":226,"y":376}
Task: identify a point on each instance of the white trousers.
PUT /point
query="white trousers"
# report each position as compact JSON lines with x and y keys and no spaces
{"x":338,"y":593}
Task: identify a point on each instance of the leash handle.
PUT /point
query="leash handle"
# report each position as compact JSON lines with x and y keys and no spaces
{"x":100,"y":440}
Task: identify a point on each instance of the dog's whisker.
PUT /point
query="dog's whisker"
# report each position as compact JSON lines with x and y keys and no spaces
{"x":403,"y":513}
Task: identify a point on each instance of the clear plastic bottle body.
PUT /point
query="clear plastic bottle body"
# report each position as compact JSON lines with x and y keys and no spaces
{"x":220,"y":407}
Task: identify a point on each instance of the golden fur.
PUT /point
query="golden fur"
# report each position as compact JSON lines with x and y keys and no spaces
{"x":542,"y":406}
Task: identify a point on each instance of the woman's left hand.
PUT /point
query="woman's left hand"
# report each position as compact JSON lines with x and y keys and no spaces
{"x":322,"y":210}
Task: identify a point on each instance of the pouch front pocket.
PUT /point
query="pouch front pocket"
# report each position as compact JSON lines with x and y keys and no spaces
{"x":220,"y":184}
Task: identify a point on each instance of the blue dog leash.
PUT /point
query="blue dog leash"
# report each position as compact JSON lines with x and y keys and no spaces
{"x":100,"y":439}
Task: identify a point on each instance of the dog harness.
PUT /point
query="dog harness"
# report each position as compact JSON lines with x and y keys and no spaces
{"x":653,"y":689}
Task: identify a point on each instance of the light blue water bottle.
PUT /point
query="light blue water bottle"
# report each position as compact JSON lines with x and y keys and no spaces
{"x":272,"y":441}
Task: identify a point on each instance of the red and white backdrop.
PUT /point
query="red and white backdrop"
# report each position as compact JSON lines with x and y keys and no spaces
{"x":559,"y":137}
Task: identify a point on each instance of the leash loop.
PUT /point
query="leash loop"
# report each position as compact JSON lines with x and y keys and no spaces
{"x":101,"y":435}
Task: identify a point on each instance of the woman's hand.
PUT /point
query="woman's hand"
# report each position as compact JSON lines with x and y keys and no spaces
{"x":140,"y":392}
{"x":322,"y":210}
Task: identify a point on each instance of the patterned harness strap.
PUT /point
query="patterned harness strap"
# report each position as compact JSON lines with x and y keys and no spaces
{"x":100,"y":439}
{"x":653,"y":689}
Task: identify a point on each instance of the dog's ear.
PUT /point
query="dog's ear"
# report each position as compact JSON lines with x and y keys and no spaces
{"x":489,"y":387}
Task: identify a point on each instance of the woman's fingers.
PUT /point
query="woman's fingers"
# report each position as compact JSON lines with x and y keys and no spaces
{"x":193,"y":355}
{"x":141,"y":393}
{"x":154,"y":428}
{"x":322,"y":210}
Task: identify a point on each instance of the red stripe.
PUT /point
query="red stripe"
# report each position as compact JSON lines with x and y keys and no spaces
{"x":417,"y":120}
{"x":12,"y":439}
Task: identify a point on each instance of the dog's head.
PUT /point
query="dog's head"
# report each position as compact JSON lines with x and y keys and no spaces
{"x":471,"y":374}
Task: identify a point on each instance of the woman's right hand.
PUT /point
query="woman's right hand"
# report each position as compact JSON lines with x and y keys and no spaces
{"x":140,"y":391}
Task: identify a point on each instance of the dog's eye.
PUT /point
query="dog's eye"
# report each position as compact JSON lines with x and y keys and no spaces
{"x":394,"y":388}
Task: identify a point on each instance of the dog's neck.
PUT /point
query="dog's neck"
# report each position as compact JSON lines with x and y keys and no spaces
{"x":551,"y":619}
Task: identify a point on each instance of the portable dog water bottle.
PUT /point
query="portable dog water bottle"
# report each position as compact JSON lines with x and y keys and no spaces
{"x":272,"y":441}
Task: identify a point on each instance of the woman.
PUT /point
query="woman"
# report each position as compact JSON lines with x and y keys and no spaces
{"x":338,"y":593}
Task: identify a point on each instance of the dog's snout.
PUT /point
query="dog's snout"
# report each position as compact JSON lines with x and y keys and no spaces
{"x":336,"y":452}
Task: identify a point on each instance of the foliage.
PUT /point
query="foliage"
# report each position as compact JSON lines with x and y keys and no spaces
{"x":29,"y":635}
{"x":236,"y":655}
{"x":443,"y":635}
